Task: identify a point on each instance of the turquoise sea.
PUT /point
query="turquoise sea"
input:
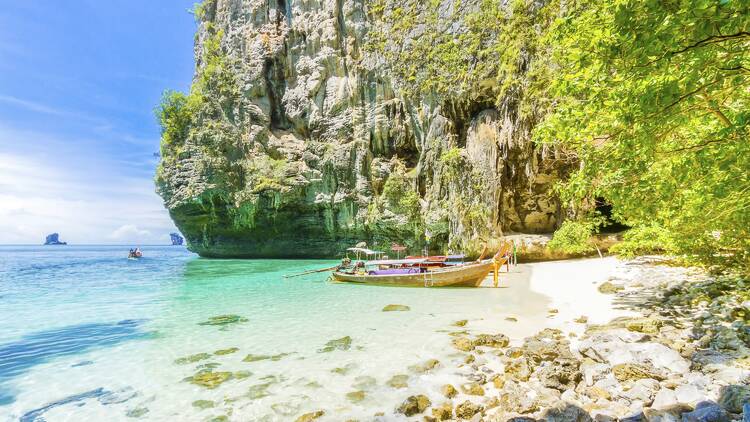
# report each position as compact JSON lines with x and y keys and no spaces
{"x":86,"y":334}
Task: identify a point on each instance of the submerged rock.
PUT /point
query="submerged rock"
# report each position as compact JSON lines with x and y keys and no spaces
{"x":461,"y":322}
{"x":192,"y":358}
{"x":241,"y":375}
{"x":398,"y":381}
{"x":258,"y":391}
{"x":355,"y":396}
{"x":425,"y":366}
{"x":137,"y":412}
{"x":224,"y":320}
{"x":311,"y":416}
{"x":393,"y":308}
{"x":414,"y":405}
{"x":203,"y":404}
{"x":364,"y":382}
{"x":343,"y":370}
{"x":255,"y":358}
{"x":343,"y":343}
{"x":210,"y":380}
{"x":226,"y":351}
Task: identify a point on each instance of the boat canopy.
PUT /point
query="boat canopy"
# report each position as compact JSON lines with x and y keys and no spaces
{"x":398,"y":261}
{"x":364,"y":251}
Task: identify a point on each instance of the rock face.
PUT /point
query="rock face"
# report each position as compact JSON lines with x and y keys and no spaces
{"x":300,"y":142}
{"x":54,"y":239}
{"x":177,"y":240}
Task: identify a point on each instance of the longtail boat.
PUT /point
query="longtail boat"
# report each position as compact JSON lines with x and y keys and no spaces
{"x":417,"y":272}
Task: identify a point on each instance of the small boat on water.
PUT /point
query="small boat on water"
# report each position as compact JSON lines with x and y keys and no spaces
{"x":421,"y":271}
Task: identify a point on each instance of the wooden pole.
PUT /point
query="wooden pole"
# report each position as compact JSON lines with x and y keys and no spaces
{"x":311,"y":272}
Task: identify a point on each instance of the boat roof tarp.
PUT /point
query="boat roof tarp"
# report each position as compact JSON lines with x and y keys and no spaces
{"x":398,"y":261}
{"x":364,"y":251}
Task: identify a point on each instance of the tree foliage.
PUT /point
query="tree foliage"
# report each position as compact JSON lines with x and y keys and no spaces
{"x":574,"y":237}
{"x":654,"y":96}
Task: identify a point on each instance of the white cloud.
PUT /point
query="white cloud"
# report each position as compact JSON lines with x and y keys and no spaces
{"x":78,"y":188}
{"x":129,"y":232}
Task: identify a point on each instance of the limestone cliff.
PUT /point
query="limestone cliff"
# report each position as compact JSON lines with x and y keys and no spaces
{"x":298,"y":141}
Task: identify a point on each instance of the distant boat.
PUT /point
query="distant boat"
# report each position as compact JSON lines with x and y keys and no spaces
{"x":135,"y":254}
{"x":54,"y":239}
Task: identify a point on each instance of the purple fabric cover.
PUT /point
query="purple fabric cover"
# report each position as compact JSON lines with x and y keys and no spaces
{"x":393,"y":271}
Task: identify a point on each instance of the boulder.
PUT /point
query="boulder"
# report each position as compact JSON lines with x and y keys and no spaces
{"x":635,"y":371}
{"x":668,"y":414}
{"x":443,"y":412}
{"x":518,"y":369}
{"x":665,"y":399}
{"x":473,"y":389}
{"x":566,"y":412}
{"x":706,"y":412}
{"x":733,"y":397}
{"x":519,"y":398}
{"x":491,"y":340}
{"x":561,"y":374}
{"x":467,"y":410}
{"x":463,"y":344}
{"x":448,"y":391}
{"x":414,"y":405}
{"x":689,"y":394}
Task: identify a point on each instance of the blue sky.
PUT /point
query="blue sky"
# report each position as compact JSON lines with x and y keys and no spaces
{"x":79,"y":81}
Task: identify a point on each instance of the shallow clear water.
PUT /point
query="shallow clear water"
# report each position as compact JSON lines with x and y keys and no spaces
{"x":86,"y":334}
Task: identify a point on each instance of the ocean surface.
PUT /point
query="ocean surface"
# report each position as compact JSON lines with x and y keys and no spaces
{"x":87,"y":334}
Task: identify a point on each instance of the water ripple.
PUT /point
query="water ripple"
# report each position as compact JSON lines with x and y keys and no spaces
{"x":37,"y":348}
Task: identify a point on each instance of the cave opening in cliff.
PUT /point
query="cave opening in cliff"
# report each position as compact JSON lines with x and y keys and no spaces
{"x":604,"y":208}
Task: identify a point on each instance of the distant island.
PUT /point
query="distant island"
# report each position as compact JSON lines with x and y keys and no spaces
{"x":54,"y":239}
{"x":177,"y":240}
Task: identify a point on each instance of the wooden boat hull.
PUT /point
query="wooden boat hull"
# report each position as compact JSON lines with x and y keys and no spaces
{"x":470,"y":275}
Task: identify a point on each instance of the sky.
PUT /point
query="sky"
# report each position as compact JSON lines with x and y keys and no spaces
{"x":79,"y":81}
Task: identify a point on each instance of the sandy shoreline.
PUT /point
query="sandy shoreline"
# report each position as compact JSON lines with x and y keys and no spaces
{"x":575,"y":353}
{"x":568,"y":286}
